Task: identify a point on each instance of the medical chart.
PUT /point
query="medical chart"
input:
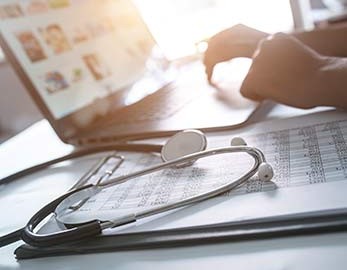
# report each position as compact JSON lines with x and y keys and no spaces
{"x":303,"y":151}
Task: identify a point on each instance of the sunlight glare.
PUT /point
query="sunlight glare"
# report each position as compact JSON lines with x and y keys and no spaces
{"x":178,"y":25}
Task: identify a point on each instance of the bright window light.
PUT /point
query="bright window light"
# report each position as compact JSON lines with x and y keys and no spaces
{"x":178,"y":25}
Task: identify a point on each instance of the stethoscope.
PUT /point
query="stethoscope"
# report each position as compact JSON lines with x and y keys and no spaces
{"x":181,"y":150}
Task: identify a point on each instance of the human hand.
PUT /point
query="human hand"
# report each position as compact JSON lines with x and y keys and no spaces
{"x":287,"y":71}
{"x":237,"y":41}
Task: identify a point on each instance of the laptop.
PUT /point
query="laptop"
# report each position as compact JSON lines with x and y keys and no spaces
{"x":98,"y":75}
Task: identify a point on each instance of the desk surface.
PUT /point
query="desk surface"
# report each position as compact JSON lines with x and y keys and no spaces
{"x":19,"y":200}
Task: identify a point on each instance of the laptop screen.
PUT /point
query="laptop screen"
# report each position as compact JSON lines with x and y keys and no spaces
{"x":74,"y":52}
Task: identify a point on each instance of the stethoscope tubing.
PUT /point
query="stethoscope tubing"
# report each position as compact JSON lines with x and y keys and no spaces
{"x":76,"y":233}
{"x":86,"y":230}
{"x":77,"y":153}
{"x":81,"y":152}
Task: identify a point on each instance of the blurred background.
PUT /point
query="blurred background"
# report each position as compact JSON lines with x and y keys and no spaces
{"x":179,"y":26}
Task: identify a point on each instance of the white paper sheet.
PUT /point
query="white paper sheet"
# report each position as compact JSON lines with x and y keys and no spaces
{"x":303,"y":151}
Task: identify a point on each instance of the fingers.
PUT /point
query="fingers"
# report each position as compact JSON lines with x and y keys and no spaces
{"x":209,"y":71}
{"x":237,"y":41}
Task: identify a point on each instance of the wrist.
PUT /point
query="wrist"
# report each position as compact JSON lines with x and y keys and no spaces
{"x":333,"y":82}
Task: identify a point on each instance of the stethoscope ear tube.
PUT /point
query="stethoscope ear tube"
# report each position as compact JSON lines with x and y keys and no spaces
{"x":58,"y":238}
{"x":11,"y":237}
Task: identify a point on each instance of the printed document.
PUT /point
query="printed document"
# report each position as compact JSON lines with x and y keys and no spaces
{"x":308,"y":152}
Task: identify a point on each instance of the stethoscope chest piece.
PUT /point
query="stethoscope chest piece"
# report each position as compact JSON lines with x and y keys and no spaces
{"x":182,"y":144}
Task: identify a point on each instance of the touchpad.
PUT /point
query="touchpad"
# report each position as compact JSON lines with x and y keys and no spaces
{"x":216,"y":106}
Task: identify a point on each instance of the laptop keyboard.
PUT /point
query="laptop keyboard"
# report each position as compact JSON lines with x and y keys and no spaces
{"x":160,"y":105}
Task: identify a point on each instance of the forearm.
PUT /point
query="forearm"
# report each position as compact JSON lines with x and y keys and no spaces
{"x":330,"y":41}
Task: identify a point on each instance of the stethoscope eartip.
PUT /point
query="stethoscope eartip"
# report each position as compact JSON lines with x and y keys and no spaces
{"x":238,"y":141}
{"x":265,"y":172}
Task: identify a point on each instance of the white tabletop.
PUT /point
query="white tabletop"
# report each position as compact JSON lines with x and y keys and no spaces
{"x":19,"y":200}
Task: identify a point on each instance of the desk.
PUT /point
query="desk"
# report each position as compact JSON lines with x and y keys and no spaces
{"x":21,"y":199}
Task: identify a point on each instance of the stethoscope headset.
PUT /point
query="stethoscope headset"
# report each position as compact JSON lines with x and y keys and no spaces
{"x":182,"y":149}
